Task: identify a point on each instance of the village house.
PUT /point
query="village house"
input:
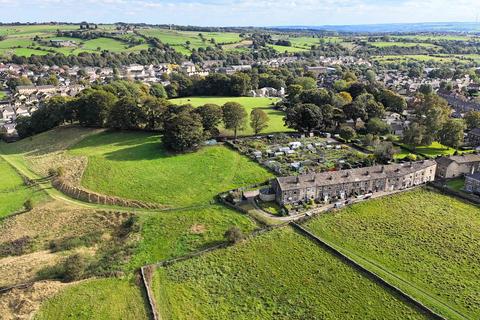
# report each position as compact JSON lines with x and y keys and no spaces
{"x":473,"y":137}
{"x":338,"y":185}
{"x":472,"y":183}
{"x":457,"y":166}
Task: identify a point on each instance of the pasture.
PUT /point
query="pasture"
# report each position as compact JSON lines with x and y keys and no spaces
{"x":20,"y":41}
{"x":277,"y":275}
{"x":178,"y":39}
{"x":176,"y":233}
{"x":384,"y":44}
{"x":429,"y":239}
{"x":275,"y":124}
{"x":134,"y":165}
{"x":96,"y":299}
{"x":13,"y":192}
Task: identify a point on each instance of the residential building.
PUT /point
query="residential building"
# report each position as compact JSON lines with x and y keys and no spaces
{"x":338,"y":185}
{"x":472,"y":183}
{"x":457,"y":166}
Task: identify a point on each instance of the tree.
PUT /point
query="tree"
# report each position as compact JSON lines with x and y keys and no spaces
{"x":350,"y":76}
{"x":372,"y":108}
{"x":183,"y":131}
{"x":340,"y":85}
{"x":376,"y":126}
{"x":306,"y":83}
{"x":451,"y":134}
{"x":304,"y":117}
{"x":432,"y":112}
{"x":414,"y":134}
{"x":125,"y":114}
{"x":94,"y":107}
{"x":258,"y":120}
{"x":316,"y":96}
{"x":234,"y":234}
{"x":341,"y":99}
{"x":157,"y":90}
{"x":425,"y":89}
{"x":392,"y":101}
{"x":354,"y":111}
{"x":240,"y":84}
{"x":211,"y":115}
{"x":153,"y":109}
{"x":385,"y":151}
{"x":472,"y":119}
{"x":347,"y":133}
{"x":371,"y":76}
{"x":234,"y":117}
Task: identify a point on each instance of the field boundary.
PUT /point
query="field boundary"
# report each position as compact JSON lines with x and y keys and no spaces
{"x":381,"y":279}
{"x":453,"y":193}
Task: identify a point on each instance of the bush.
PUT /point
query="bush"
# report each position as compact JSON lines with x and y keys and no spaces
{"x":70,"y":243}
{"x":234,"y":234}
{"x":16,"y":247}
{"x":74,"y":267}
{"x":28,"y":205}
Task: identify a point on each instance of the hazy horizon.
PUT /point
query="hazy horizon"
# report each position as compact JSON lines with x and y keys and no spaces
{"x":241,"y":12}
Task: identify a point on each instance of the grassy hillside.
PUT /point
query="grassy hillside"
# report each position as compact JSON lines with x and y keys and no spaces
{"x":96,"y":299}
{"x":134,"y":165}
{"x":275,"y":124}
{"x":13,"y":192}
{"x":278,"y":275}
{"x":429,"y":239}
{"x":176,"y":233}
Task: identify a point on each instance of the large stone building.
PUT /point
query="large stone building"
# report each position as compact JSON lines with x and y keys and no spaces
{"x":457,"y":166}
{"x":472,"y":183}
{"x":331,"y":186}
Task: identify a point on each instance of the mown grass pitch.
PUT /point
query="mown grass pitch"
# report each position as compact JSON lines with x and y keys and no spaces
{"x":275,"y":124}
{"x":96,"y":299}
{"x":134,"y":165}
{"x":278,"y":275}
{"x":432,"y":240}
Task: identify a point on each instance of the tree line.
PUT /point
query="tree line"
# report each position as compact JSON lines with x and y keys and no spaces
{"x":133,"y":106}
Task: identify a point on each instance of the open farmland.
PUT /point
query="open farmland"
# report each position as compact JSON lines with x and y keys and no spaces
{"x":176,"y":233}
{"x":96,"y":299}
{"x":431,"y":240}
{"x":278,"y":275}
{"x":13,"y":192}
{"x":282,"y":49}
{"x":383,"y":44}
{"x":275,"y":124}
{"x":136,"y":166}
{"x":178,"y":39}
{"x":19,"y":40}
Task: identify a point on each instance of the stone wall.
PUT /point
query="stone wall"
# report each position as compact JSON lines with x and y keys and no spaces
{"x":92,"y":197}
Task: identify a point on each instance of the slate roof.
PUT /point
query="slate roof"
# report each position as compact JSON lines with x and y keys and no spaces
{"x":352,"y":175}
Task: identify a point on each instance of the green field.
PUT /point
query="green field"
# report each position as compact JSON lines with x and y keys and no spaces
{"x":383,"y":44}
{"x":177,"y":39}
{"x":96,"y":299}
{"x":438,"y":58}
{"x":134,"y":165}
{"x":173,"y":234}
{"x":13,"y":192}
{"x":275,"y":124}
{"x":282,"y":49}
{"x":456,"y":184}
{"x":20,"y":41}
{"x":429,"y":239}
{"x":434,"y":150}
{"x":278,"y":275}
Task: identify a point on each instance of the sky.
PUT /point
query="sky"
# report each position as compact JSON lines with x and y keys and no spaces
{"x":241,"y":12}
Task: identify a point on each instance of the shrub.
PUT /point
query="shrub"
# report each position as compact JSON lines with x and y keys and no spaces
{"x":234,"y":234}
{"x":16,"y":247}
{"x":74,"y":267}
{"x":28,"y":205}
{"x":86,"y":240}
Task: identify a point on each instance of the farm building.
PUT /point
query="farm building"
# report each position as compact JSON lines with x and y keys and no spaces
{"x":328,"y":186}
{"x":456,"y":166}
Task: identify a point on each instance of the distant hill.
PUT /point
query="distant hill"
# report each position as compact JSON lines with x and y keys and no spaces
{"x":394,"y":27}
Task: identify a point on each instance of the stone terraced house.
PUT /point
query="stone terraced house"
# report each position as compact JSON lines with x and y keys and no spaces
{"x":338,"y":185}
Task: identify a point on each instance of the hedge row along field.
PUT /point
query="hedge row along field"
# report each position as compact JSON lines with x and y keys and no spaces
{"x":432,"y":240}
{"x":134,"y":165}
{"x":278,"y":275}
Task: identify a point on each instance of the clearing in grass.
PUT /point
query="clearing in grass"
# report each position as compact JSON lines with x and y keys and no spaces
{"x":427,"y":238}
{"x":277,"y":275}
{"x":275,"y":123}
{"x":134,"y":165}
{"x":96,"y":299}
